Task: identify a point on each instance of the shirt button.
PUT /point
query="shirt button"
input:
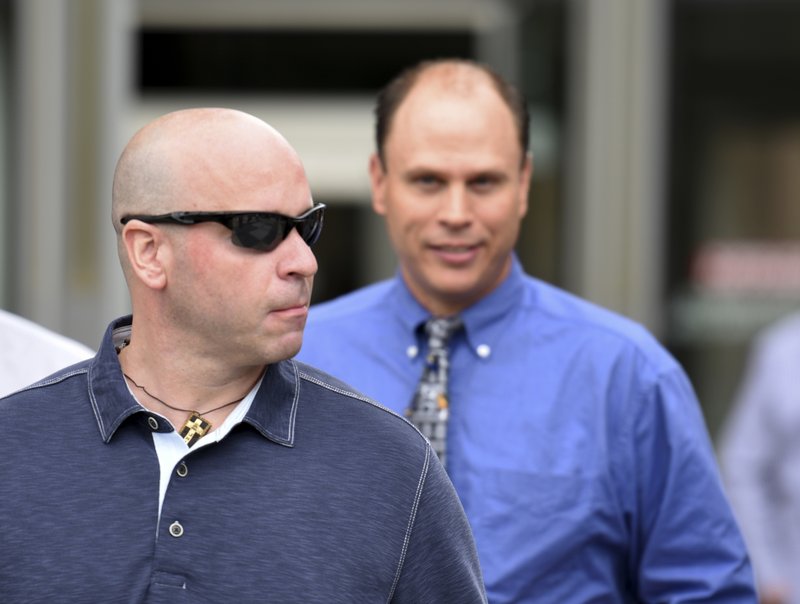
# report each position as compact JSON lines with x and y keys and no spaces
{"x":182,"y":470}
{"x":153,"y":423}
{"x":412,"y":351}
{"x":176,"y":529}
{"x":484,"y":350}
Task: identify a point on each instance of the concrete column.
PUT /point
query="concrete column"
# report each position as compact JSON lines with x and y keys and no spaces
{"x":615,"y":173}
{"x":5,"y":191}
{"x":38,"y":200}
{"x":74,"y":69}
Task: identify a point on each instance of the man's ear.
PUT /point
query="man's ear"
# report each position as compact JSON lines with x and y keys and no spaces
{"x":525,"y":184}
{"x":147,"y":249}
{"x":377,"y":181}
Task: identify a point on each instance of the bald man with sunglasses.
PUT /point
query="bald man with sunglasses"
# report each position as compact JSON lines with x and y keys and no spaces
{"x":192,"y":460}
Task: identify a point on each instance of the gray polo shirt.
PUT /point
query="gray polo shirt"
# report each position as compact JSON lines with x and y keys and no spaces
{"x":319,"y":495}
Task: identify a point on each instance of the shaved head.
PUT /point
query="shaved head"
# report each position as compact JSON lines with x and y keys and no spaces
{"x":159,"y":162}
{"x":176,"y":161}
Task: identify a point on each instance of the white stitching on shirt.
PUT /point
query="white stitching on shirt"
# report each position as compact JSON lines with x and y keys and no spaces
{"x":411,"y":521}
{"x":295,"y":402}
{"x":348,"y":393}
{"x":420,"y":484}
{"x":55,"y":380}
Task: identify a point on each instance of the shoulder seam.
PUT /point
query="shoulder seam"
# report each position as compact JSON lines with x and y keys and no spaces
{"x":351,"y":394}
{"x":409,"y":527}
{"x":420,"y":483}
{"x":53,"y":380}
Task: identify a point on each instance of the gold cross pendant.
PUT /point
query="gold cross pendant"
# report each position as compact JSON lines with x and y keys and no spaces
{"x":196,"y":426}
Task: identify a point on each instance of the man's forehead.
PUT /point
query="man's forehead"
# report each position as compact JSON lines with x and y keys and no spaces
{"x":433,"y":112}
{"x":441,"y":147}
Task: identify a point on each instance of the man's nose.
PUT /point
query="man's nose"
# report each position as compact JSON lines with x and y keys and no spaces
{"x":298,"y":258}
{"x":455,"y":209}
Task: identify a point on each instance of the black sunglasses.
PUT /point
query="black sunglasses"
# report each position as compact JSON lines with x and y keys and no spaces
{"x":262,"y":231}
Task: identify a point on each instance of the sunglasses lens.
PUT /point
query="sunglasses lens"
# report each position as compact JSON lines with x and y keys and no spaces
{"x":264,"y":232}
{"x":258,"y":232}
{"x":310,"y":227}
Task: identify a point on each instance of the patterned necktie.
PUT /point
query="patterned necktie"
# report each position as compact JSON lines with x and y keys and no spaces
{"x":428,"y":410}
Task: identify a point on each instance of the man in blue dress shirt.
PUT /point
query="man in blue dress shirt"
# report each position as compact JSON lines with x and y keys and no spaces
{"x":574,"y":439}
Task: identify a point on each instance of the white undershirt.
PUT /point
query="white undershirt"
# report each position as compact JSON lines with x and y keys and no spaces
{"x":171,"y":448}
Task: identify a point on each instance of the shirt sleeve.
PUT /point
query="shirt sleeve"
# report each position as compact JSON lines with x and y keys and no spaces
{"x":441,"y":562}
{"x":688,"y":547}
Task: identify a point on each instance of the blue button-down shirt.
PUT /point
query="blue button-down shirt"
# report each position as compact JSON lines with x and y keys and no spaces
{"x":575,"y":443}
{"x":318,"y":496}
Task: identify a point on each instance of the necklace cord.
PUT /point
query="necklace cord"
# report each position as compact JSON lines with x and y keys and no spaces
{"x":166,"y":404}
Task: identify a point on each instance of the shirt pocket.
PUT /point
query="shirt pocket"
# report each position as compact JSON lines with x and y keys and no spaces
{"x":550,"y":533}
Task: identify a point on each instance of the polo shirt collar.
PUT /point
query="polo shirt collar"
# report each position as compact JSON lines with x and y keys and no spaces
{"x":272,"y":412}
{"x":111,"y":401}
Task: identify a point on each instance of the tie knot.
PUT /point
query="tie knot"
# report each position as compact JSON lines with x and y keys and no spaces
{"x":439,"y":329}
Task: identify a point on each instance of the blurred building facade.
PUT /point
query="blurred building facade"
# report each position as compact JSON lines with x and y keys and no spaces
{"x":664,"y":181}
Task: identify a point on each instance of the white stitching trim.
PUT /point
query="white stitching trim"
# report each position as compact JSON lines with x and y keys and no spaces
{"x":295,"y":401}
{"x":412,"y":518}
{"x":420,"y":484}
{"x":348,"y":393}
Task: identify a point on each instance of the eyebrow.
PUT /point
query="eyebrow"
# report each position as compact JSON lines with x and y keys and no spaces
{"x":489,"y":173}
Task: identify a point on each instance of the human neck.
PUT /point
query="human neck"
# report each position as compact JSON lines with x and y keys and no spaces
{"x":176,"y":389}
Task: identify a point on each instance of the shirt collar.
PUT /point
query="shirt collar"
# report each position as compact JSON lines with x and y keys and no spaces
{"x":481,"y":320}
{"x":272,"y":412}
{"x":111,"y":401}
